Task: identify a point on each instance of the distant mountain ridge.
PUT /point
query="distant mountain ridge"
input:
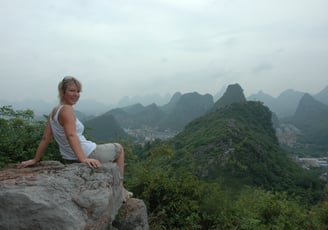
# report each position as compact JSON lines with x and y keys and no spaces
{"x":188,"y":107}
{"x":286,"y":103}
{"x":183,"y":108}
{"x":311,"y":117}
{"x":282,"y":105}
{"x":174,"y":115}
{"x":180,"y":110}
{"x":144,"y":100}
{"x":322,"y":96}
{"x":137,"y":116}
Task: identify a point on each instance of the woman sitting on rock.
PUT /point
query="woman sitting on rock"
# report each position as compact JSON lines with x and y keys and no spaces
{"x":67,"y":130}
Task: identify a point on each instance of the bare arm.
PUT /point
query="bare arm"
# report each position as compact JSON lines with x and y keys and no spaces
{"x":67,"y":120}
{"x":46,"y":139}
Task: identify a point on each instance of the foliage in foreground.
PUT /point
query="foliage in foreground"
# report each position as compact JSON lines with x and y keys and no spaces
{"x":20,"y":135}
{"x":175,"y":198}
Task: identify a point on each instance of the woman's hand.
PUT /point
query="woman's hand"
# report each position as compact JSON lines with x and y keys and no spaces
{"x":26,"y":163}
{"x":93,"y":163}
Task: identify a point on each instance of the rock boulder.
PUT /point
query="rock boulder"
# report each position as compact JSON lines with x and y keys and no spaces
{"x":51,"y":195}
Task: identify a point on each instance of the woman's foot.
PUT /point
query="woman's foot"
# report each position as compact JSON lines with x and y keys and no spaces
{"x":126,"y":195}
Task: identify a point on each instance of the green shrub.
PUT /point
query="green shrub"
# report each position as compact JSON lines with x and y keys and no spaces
{"x":20,"y":135}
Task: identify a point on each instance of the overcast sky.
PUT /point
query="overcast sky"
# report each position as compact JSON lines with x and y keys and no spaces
{"x":138,"y":47}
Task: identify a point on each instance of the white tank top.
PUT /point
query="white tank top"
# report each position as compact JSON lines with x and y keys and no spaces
{"x":60,"y":137}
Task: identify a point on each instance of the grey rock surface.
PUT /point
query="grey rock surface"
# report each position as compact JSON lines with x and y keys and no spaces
{"x":51,"y":195}
{"x":132,"y":216}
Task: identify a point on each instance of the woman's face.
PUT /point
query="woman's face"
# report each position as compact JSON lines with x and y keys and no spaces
{"x":71,"y":94}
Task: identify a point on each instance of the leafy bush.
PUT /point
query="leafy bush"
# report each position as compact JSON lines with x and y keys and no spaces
{"x":176,"y":199}
{"x":20,"y":135}
{"x":259,"y":209}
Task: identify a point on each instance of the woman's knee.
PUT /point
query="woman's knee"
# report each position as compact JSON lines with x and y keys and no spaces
{"x":119,"y":147}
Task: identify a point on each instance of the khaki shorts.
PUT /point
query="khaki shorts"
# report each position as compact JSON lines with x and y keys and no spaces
{"x":106,"y":152}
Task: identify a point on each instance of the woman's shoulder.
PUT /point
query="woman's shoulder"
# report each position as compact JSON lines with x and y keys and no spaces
{"x":62,"y":111}
{"x":67,"y":112}
{"x":66,"y":108}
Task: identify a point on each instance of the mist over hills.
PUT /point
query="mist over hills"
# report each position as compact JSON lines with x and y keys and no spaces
{"x":235,"y":144}
{"x":188,"y":107}
{"x":307,"y":127}
{"x":300,"y":120}
{"x":184,"y":108}
{"x":311,"y":118}
{"x":86,"y":107}
{"x":322,"y":96}
{"x":144,"y":100}
{"x":137,"y":116}
{"x":174,"y":115}
{"x":284,"y":105}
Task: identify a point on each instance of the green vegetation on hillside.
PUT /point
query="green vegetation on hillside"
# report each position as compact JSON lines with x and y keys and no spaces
{"x":237,"y":146}
{"x":179,"y":191}
{"x":20,"y":135}
{"x":177,"y":199}
{"x":104,"y":128}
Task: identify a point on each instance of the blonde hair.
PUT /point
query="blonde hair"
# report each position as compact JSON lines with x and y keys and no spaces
{"x":63,"y":84}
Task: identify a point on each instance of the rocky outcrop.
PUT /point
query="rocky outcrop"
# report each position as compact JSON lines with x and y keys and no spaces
{"x":132,"y":215}
{"x":233,"y":94}
{"x":288,"y":135}
{"x":51,"y":195}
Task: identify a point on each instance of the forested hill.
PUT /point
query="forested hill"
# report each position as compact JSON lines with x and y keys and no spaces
{"x":237,"y":146}
{"x":105,"y":128}
{"x":311,"y":117}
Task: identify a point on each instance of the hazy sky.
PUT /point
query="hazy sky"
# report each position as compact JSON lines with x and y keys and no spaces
{"x":138,"y":47}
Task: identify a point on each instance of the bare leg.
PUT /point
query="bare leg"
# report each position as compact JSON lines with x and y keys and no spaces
{"x":120,"y":162}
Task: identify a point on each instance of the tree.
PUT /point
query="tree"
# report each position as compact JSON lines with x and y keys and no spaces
{"x":20,"y":135}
